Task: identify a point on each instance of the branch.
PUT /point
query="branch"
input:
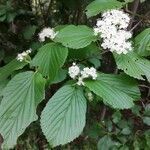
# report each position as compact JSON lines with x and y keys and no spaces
{"x":135,"y":7}
{"x":103,"y":113}
{"x":48,"y":10}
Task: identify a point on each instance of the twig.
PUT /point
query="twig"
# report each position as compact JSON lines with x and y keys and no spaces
{"x":103,"y":113}
{"x":142,"y":103}
{"x":48,"y":10}
{"x":145,"y":86}
{"x":135,"y":7}
{"x":42,"y":11}
{"x":140,"y":16}
{"x":136,"y":25}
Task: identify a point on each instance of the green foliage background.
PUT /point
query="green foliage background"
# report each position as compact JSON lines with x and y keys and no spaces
{"x":124,"y":83}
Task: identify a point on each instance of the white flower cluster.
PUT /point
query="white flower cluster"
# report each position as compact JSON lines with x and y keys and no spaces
{"x":22,"y":56}
{"x":47,"y":33}
{"x":90,"y":96}
{"x":76,"y":73}
{"x":113,"y":30}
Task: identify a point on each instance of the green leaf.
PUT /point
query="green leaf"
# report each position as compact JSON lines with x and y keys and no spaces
{"x":2,"y":86}
{"x":136,"y":144}
{"x":99,"y":6}
{"x":2,"y":18}
{"x":29,"y":31}
{"x":136,"y":110}
{"x":147,"y":138}
{"x":133,"y":65}
{"x":95,"y":130}
{"x":147,"y":110}
{"x":8,"y":69}
{"x":106,"y":143}
{"x":2,"y":54}
{"x":116,"y":117}
{"x":75,"y":36}
{"x":18,"y":107}
{"x":91,"y":50}
{"x":62,"y":74}
{"x":117,"y":91}
{"x":146,"y":120}
{"x":11,"y":16}
{"x":126,"y":131}
{"x":142,"y":43}
{"x":63,"y":118}
{"x":49,"y":59}
{"x":96,"y":62}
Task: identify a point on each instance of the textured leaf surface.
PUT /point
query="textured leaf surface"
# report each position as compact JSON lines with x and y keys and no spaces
{"x":98,"y":6}
{"x":10,"y":67}
{"x":2,"y":86}
{"x":62,"y":75}
{"x":84,"y":53}
{"x":133,"y":65}
{"x":123,"y":83}
{"x":75,"y":36}
{"x":50,"y":59}
{"x":115,"y":91}
{"x":63,"y":118}
{"x":142,"y":43}
{"x":18,"y":107}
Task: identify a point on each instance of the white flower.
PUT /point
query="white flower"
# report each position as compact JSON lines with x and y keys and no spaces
{"x":113,"y":30}
{"x":29,"y":51}
{"x":80,"y":81}
{"x":117,"y":18}
{"x":89,"y":72}
{"x":75,"y":73}
{"x":93,"y":73}
{"x":22,"y":56}
{"x":74,"y":70}
{"x":85,"y":72}
{"x":47,"y":33}
{"x":90,"y":96}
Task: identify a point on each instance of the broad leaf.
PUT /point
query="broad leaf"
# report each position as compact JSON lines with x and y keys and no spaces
{"x":133,"y":65}
{"x":99,"y":6}
{"x":2,"y":86}
{"x":63,"y":118}
{"x":18,"y":107}
{"x":29,"y":31}
{"x":10,"y":68}
{"x":90,"y":51}
{"x":61,"y":75}
{"x":142,"y":43}
{"x":49,"y":59}
{"x":117,"y":91}
{"x":75,"y":36}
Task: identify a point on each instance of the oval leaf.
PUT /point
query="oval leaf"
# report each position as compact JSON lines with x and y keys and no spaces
{"x":18,"y":107}
{"x":142,"y":43}
{"x":98,"y":6}
{"x":63,"y":118}
{"x":75,"y":36}
{"x":8,"y":69}
{"x":133,"y":65}
{"x":50,"y":59}
{"x":114,"y":92}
